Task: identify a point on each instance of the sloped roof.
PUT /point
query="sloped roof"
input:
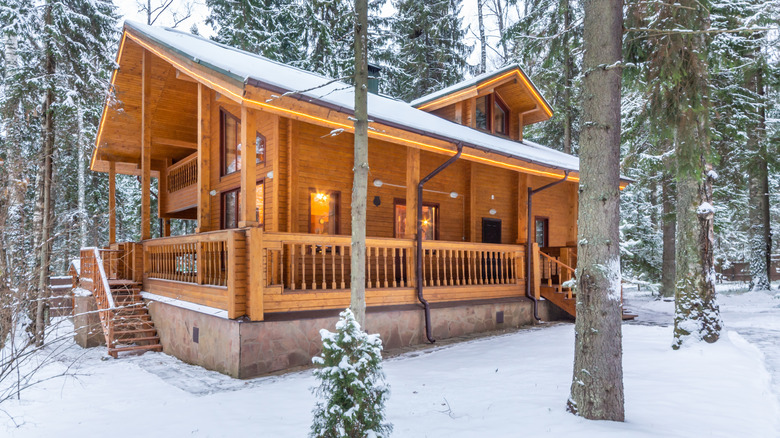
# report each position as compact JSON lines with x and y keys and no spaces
{"x":248,"y":68}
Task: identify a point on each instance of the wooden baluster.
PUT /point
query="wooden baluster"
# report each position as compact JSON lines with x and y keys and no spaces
{"x":384,"y":262}
{"x":445,"y":261}
{"x":333,"y":266}
{"x":427,"y":272}
{"x":458,"y":267}
{"x":343,"y":262}
{"x":303,"y":266}
{"x":378,"y":254}
{"x":324,"y":270}
{"x":393,"y":252}
{"x":292,"y":266}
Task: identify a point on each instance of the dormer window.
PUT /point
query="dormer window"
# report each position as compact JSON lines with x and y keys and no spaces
{"x":492,"y":114}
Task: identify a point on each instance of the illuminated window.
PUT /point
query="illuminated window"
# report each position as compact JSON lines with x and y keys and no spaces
{"x":430,"y":220}
{"x":500,"y":116}
{"x":323,"y":212}
{"x":483,"y":113}
{"x":231,"y":205}
{"x":230,"y":133}
{"x":259,"y":199}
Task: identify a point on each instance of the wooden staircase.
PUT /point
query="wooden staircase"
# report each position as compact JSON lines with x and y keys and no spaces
{"x":555,"y":295}
{"x":126,"y":322}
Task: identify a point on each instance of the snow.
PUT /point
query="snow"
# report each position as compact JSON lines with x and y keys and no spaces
{"x":705,"y":208}
{"x":499,"y":385}
{"x":243,"y":66}
{"x":186,"y":305}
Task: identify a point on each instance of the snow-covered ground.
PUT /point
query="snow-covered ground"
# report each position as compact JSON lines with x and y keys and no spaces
{"x":509,"y":385}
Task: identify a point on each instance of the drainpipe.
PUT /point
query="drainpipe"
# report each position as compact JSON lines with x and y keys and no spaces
{"x":419,"y":259}
{"x":529,"y":253}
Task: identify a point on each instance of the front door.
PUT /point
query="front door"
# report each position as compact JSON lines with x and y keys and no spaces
{"x":491,"y":230}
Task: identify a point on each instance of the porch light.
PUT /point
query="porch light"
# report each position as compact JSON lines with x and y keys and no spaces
{"x":270,"y":175}
{"x":321,"y":197}
{"x":453,"y":195}
{"x":213,"y":193}
{"x":492,"y":211}
{"x":378,"y":182}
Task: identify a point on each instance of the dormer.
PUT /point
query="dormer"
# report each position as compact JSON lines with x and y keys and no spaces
{"x":500,"y":102}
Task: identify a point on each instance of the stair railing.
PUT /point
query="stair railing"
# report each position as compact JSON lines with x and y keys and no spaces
{"x":100,"y":289}
{"x":565,"y":272}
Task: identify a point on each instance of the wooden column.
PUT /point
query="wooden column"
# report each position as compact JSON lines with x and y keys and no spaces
{"x":275,"y":160}
{"x":522,"y":207}
{"x":247,"y":217}
{"x":166,"y":227}
{"x":146,"y":144}
{"x":204,"y":161}
{"x":473,"y":203}
{"x":520,"y":127}
{"x":256,"y":273}
{"x":111,"y":202}
{"x":162,"y":197}
{"x":574,"y":210}
{"x":459,"y":113}
{"x":412,"y":179}
{"x":292,"y":173}
{"x":472,"y":110}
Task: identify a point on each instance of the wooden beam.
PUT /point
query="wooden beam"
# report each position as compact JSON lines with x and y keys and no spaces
{"x":574,"y":204}
{"x":204,"y":160}
{"x":255,"y":293}
{"x":472,"y":105}
{"x":473,"y":188}
{"x":146,"y":145}
{"x":111,"y":202}
{"x":166,"y":227}
{"x":522,"y":207}
{"x":247,"y":217}
{"x":274,"y":182}
{"x":459,"y":113}
{"x":292,"y":172}
{"x":184,"y":77}
{"x":520,"y":127}
{"x":162,"y":191}
{"x":412,"y":179}
{"x":175,"y":143}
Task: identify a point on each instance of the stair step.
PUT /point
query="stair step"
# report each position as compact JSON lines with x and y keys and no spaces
{"x":114,"y":350}
{"x":135,"y":340}
{"x":129,"y":332}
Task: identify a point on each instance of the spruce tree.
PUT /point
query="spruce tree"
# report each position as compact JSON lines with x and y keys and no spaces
{"x":352,"y":387}
{"x":427,"y":48}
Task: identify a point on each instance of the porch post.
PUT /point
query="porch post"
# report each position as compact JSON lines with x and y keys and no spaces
{"x":162,"y":199}
{"x":204,"y":150}
{"x":111,"y":202}
{"x":146,"y":143}
{"x":412,"y":179}
{"x":522,"y":207}
{"x":247,"y":215}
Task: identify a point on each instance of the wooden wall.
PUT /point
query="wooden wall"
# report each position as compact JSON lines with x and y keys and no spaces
{"x":304,"y":156}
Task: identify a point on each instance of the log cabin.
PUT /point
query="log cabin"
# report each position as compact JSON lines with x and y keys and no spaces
{"x":260,"y":154}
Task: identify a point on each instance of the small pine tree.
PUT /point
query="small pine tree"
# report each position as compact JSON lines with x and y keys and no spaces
{"x":352,"y":385}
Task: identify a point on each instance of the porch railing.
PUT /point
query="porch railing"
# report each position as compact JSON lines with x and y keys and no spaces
{"x":183,"y":174}
{"x":469,"y":264}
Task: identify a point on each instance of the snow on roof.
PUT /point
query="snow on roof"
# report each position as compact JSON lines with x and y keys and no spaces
{"x":469,"y":83}
{"x":244,"y":66}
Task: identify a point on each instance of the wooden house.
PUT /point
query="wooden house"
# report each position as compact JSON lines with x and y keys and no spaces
{"x":260,"y":155}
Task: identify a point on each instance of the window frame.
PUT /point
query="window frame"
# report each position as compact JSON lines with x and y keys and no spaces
{"x":497,"y":100}
{"x":260,"y":220}
{"x":546,"y":221}
{"x":222,"y":211}
{"x":488,"y":113}
{"x":259,"y":160}
{"x":436,"y":218}
{"x":223,"y":115}
{"x":337,"y":215}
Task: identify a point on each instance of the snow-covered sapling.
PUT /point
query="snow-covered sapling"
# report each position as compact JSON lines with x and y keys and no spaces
{"x":352,"y":389}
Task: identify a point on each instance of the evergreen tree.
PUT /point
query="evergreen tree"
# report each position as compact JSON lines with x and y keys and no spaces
{"x":352,"y":383}
{"x":271,"y":28}
{"x":427,"y":52}
{"x":547,"y":41}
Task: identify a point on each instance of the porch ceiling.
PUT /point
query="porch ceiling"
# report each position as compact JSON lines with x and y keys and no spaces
{"x":173,"y":113}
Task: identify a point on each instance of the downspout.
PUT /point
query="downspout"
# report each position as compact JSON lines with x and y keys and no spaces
{"x":528,"y":245}
{"x":419,"y":258}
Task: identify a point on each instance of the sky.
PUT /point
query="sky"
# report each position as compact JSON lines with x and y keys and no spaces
{"x":129,"y":9}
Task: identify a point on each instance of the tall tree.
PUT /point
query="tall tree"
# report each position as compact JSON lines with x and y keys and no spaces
{"x":597,"y":381}
{"x":360,"y":168}
{"x":427,"y":48}
{"x":680,"y":63}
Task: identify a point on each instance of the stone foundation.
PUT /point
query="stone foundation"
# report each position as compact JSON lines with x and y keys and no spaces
{"x":86,"y":322}
{"x":248,"y":349}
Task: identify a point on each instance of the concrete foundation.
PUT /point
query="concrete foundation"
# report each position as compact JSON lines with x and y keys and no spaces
{"x":248,"y":349}
{"x":86,"y":322}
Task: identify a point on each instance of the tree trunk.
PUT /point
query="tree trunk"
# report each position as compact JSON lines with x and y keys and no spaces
{"x":482,"y":40}
{"x":500,"y":19}
{"x":568,"y":74}
{"x":597,"y":381}
{"x":760,"y":235}
{"x":669,"y":226}
{"x":360,"y":181}
{"x":82,"y":178}
{"x":46,"y":211}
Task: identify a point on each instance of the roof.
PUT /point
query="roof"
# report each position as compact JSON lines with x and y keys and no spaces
{"x":476,"y":80}
{"x":248,"y":68}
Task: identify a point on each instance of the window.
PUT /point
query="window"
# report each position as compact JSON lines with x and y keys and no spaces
{"x":231,"y":205}
{"x":541,"y":231}
{"x":500,"y":116}
{"x":492,"y":114}
{"x":323,"y":212}
{"x":430,"y":220}
{"x":230,"y":134}
{"x":259,"y":148}
{"x":259,"y":198}
{"x":483,"y":113}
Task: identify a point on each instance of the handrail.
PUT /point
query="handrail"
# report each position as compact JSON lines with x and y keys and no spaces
{"x":103,"y":276}
{"x":558,"y":261}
